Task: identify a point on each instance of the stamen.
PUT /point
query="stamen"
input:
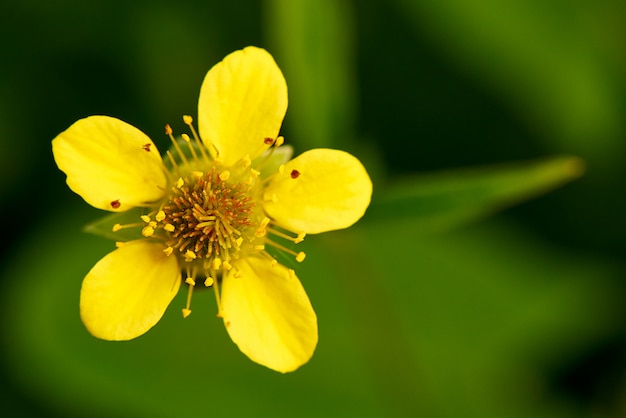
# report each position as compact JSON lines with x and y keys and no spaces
{"x":187,"y":140}
{"x":160,"y":216}
{"x":147,"y":231}
{"x":189,"y":122}
{"x":173,"y":161}
{"x":216,"y":290}
{"x":168,"y":251}
{"x":273,"y":143}
{"x":181,"y":155}
{"x":145,"y":218}
{"x":281,"y":234}
{"x":216,"y":263}
{"x":299,"y":256}
{"x":190,"y":256}
{"x":224,"y":175}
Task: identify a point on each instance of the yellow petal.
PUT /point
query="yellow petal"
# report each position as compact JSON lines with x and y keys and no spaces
{"x":126,"y":293}
{"x":243,"y":100}
{"x":320,"y":190}
{"x":109,"y":163}
{"x":268,"y":314}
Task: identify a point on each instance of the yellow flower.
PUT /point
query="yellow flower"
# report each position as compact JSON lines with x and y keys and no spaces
{"x":224,"y":200}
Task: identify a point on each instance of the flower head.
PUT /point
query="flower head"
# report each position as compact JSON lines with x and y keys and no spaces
{"x":216,"y":210}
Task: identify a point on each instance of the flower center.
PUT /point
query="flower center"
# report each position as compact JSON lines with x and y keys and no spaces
{"x":210,"y":217}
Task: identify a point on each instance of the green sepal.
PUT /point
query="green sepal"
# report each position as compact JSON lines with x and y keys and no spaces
{"x":270,"y":161}
{"x":104,"y":226}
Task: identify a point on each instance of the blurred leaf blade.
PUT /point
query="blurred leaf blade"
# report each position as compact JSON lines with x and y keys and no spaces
{"x":447,"y":199}
{"x":318,"y":63}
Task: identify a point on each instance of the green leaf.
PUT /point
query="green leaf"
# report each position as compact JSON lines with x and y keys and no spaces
{"x":104,"y":226}
{"x":548,"y":59}
{"x":312,"y":41}
{"x":446,"y":199}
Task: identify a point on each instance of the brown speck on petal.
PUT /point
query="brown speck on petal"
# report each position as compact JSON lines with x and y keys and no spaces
{"x":146,"y":147}
{"x":295,"y":174}
{"x":116,"y":204}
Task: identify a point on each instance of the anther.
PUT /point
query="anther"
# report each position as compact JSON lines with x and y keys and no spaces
{"x":160,"y":216}
{"x":148,"y":231}
{"x":187,"y":119}
{"x":216,"y":263}
{"x":279,"y":141}
{"x":224,"y":175}
{"x":169,"y":227}
{"x":145,"y":218}
{"x":190,"y":256}
{"x":186,"y":312}
{"x":208,"y":282}
{"x":168,"y":251}
{"x":180,"y":182}
{"x":190,"y":281}
{"x":300,"y":237}
{"x":117,"y":227}
{"x":300,"y":257}
{"x":168,"y":130}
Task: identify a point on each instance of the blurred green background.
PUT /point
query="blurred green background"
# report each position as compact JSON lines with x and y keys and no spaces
{"x":427,"y":307}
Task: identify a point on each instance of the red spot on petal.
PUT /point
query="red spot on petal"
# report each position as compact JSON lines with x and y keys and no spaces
{"x":146,"y":147}
{"x":116,"y":204}
{"x":268,"y":141}
{"x":295,"y":174}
